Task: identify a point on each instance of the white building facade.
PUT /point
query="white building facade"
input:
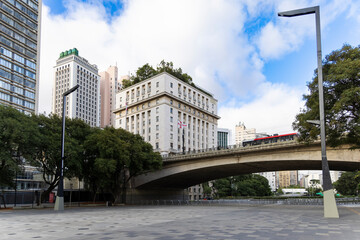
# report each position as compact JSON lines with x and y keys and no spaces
{"x":71,"y":69}
{"x":163,"y":109}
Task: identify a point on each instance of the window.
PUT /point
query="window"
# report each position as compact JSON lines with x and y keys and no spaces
{"x":171,"y":136}
{"x":157,"y":127}
{"x":157,"y":110}
{"x":157,"y":84}
{"x":157,"y":136}
{"x":171,"y":101}
{"x":171,"y":110}
{"x":171,"y":119}
{"x":171,"y":84}
{"x":157,"y":145}
{"x":171,"y":128}
{"x":157,"y":118}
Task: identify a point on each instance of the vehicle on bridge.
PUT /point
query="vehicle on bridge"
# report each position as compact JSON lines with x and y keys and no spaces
{"x":272,"y":139}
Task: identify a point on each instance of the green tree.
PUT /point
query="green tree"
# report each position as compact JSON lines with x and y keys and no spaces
{"x":169,"y":68}
{"x":242,"y":185}
{"x":18,"y":138}
{"x":112,"y":152}
{"x":341,"y":71}
{"x":222,"y":187}
{"x":142,"y":73}
{"x":48,"y":158}
{"x":348,"y":183}
{"x":207,"y":189}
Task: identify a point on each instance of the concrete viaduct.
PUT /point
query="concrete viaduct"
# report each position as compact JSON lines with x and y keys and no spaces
{"x":182,"y":171}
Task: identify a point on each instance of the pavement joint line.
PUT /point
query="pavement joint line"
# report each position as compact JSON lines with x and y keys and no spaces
{"x":353,"y":210}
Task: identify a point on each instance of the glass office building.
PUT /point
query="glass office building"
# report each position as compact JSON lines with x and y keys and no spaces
{"x":19,"y":53}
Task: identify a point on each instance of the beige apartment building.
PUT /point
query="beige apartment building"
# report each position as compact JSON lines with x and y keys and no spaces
{"x":287,"y":178}
{"x":84,"y":103}
{"x":109,"y":86}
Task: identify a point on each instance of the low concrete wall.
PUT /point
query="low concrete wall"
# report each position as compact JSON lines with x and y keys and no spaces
{"x":137,"y":196}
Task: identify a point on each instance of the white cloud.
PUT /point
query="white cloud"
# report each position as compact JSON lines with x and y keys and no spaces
{"x":283,"y":34}
{"x":272,"y":111}
{"x":206,"y":38}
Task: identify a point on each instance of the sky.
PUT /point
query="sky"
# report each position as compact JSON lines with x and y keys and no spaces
{"x":255,"y":63}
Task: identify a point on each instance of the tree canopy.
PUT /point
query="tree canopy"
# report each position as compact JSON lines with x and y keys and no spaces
{"x":110,"y":153}
{"x":147,"y":71}
{"x":243,"y":185}
{"x":348,"y":183}
{"x":19,"y":138}
{"x":341,"y":73}
{"x":100,"y":157}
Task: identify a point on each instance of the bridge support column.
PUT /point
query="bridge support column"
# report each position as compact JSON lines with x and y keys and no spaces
{"x":330,"y":208}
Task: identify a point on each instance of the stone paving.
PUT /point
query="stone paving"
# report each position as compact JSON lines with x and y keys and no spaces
{"x":181,"y":222}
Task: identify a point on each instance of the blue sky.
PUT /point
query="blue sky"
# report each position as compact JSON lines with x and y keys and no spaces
{"x":255,"y":63}
{"x":113,"y":7}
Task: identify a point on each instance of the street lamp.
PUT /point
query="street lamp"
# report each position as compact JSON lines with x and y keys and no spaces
{"x":330,"y":208}
{"x":59,"y":203}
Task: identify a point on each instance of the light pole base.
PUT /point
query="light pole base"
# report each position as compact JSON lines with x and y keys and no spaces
{"x":59,"y":204}
{"x":330,"y":208}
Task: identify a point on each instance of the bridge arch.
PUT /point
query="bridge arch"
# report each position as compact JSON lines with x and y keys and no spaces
{"x":182,"y":171}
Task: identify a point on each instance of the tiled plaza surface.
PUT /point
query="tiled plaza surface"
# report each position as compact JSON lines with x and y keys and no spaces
{"x":181,"y":222}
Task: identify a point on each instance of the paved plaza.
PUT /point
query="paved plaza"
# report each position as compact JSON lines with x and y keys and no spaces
{"x":181,"y":222}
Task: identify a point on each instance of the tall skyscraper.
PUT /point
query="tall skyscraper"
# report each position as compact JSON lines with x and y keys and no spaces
{"x":109,"y":86}
{"x":19,"y":53}
{"x":71,"y":69}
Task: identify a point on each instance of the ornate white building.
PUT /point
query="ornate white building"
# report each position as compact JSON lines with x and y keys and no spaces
{"x":163,"y":109}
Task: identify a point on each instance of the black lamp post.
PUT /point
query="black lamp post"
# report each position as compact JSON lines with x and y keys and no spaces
{"x":59,"y":203}
{"x":330,"y":208}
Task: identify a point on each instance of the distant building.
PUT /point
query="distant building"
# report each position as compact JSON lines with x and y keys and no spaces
{"x":70,"y":70}
{"x":109,"y":86}
{"x":196,"y":192}
{"x":309,"y":180}
{"x":244,"y":134}
{"x":287,"y":178}
{"x":20,"y":24}
{"x":317,"y":175}
{"x":223,"y":137}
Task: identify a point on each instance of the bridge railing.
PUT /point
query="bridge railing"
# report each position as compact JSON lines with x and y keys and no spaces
{"x":230,"y":202}
{"x":229,"y":149}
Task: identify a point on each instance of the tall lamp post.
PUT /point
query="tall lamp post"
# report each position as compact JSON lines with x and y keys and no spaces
{"x":330,"y":208}
{"x":59,"y":203}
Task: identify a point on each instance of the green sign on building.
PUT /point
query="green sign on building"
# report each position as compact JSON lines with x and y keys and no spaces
{"x":69,"y":52}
